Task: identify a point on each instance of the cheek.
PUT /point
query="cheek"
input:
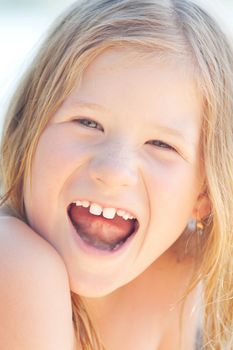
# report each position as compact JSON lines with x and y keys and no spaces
{"x":173,"y":188}
{"x":56,"y":158}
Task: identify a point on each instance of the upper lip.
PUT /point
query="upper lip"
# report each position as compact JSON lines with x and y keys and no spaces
{"x":108,"y":205}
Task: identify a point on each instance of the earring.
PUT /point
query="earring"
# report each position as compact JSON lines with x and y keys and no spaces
{"x":199,"y":227}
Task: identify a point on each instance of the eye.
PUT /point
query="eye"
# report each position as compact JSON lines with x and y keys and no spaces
{"x":89,"y":123}
{"x":161,"y":144}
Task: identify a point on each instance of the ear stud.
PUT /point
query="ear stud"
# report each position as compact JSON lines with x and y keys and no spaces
{"x":199,"y":225}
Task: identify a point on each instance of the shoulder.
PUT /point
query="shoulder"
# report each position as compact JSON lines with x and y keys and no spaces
{"x":22,"y":248}
{"x":19,"y":238}
{"x":35,"y":303}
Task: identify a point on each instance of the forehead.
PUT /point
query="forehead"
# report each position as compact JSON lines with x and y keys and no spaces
{"x":139,"y":79}
{"x":122,"y":58}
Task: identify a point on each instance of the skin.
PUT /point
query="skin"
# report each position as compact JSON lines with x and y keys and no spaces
{"x":116,"y":163}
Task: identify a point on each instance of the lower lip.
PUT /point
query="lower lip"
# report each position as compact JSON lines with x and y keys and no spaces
{"x":90,"y":250}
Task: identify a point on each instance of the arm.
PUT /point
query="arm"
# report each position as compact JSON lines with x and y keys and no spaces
{"x":35,"y":305}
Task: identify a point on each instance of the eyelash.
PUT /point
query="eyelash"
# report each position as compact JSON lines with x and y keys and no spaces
{"x":90,"y":121}
{"x":161,"y":143}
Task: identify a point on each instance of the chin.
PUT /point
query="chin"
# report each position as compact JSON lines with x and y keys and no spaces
{"x":94,"y":288}
{"x":94,"y":292}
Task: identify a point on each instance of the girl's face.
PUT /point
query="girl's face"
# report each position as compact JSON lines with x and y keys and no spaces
{"x":128,"y":138}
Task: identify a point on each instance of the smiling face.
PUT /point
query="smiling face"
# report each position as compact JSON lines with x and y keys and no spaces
{"x":128,"y":138}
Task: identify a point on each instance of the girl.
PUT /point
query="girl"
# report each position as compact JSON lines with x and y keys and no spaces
{"x":116,"y":160}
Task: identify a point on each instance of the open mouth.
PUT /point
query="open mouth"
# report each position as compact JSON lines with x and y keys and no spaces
{"x":100,"y":232}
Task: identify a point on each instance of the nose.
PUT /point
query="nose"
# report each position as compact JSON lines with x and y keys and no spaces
{"x":113,"y":167}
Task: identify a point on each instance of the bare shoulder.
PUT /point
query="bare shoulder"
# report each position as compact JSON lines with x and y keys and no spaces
{"x":35,"y":304}
{"x":16,"y":237}
{"x":21,"y":247}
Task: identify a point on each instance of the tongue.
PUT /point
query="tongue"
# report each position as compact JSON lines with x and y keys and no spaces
{"x":97,"y":227}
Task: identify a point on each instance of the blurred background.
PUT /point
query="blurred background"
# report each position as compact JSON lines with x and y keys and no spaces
{"x":23,"y":24}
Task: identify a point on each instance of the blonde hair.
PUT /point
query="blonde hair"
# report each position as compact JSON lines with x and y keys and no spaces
{"x":176,"y":28}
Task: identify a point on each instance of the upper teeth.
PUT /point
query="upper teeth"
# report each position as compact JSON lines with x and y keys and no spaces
{"x":108,"y":213}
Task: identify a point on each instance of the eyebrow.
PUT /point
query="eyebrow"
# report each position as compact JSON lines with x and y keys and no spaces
{"x":171,"y":131}
{"x":89,"y":106}
{"x":165,"y":129}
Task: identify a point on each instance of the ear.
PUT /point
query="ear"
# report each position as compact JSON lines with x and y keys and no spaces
{"x":202,"y":208}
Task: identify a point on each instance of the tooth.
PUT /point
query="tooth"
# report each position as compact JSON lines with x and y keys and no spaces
{"x":109,"y":213}
{"x":121,"y":212}
{"x":85,"y":204}
{"x":95,"y":209}
{"x":116,"y":246}
{"x":126,"y":216}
